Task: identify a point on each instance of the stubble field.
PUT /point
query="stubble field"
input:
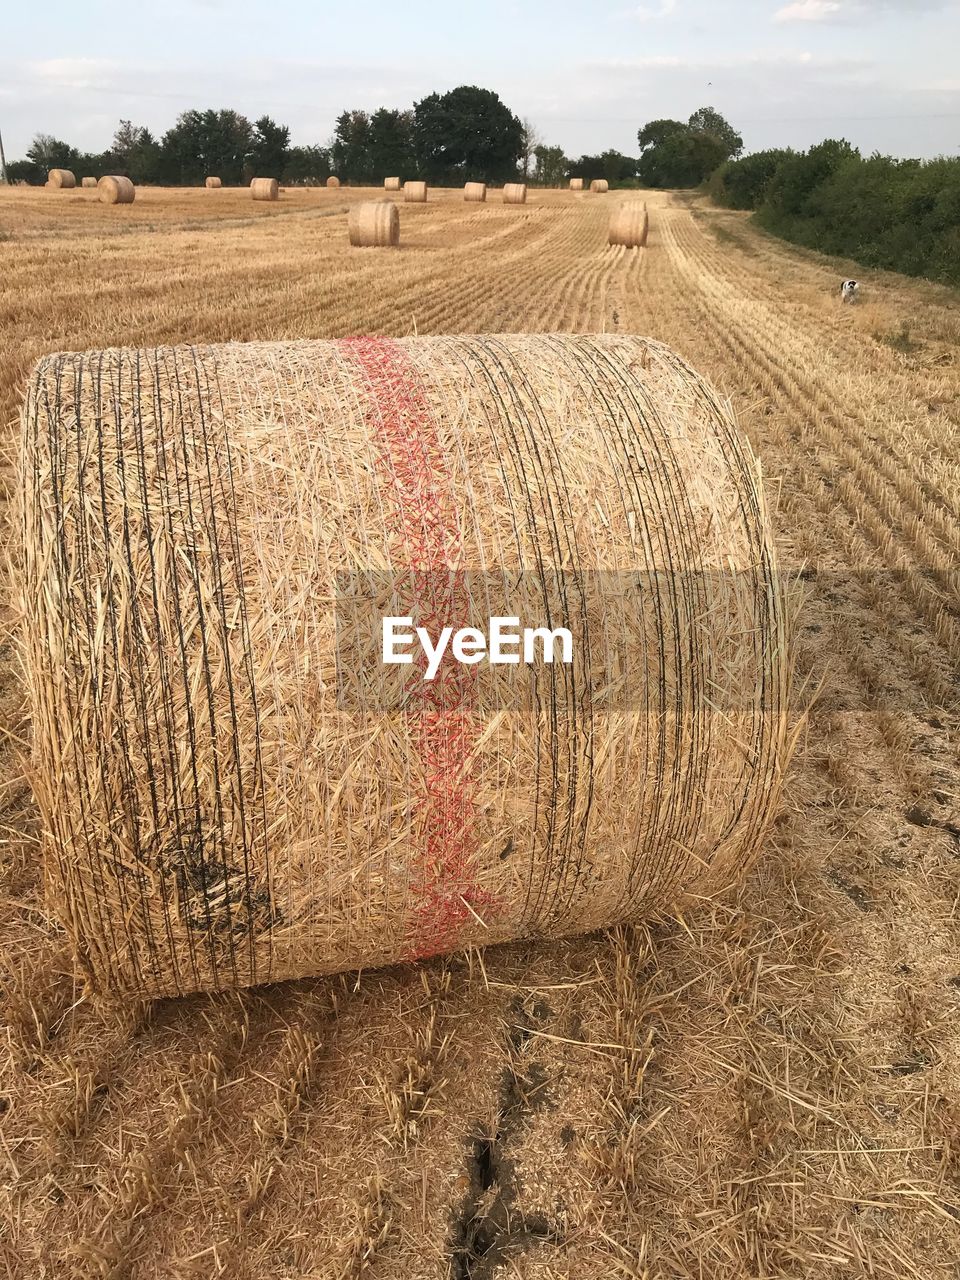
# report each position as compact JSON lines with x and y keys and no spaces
{"x":769,"y":1087}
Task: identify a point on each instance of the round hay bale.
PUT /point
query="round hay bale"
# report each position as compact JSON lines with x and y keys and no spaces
{"x":115,"y":189}
{"x":265,"y":188}
{"x":576,"y":184}
{"x":61,"y":179}
{"x":332,"y":181}
{"x":415,"y":192}
{"x":391,"y":184}
{"x":88,"y":182}
{"x":475,"y":192}
{"x":628,"y":224}
{"x":515,"y":193}
{"x":235,"y":787}
{"x":600,"y":185}
{"x":212,"y":183}
{"x":374,"y":223}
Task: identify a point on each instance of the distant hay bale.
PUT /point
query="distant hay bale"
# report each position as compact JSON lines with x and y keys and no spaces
{"x":629,"y":223}
{"x":88,"y":182}
{"x":265,"y":188}
{"x":333,"y":181}
{"x":115,"y":189}
{"x":212,"y":183}
{"x":600,"y":185}
{"x":61,"y":179}
{"x":391,"y":184}
{"x":475,"y":192}
{"x":415,"y":192}
{"x":374,"y":224}
{"x":515,"y":193}
{"x":576,"y":184}
{"x":234,"y":787}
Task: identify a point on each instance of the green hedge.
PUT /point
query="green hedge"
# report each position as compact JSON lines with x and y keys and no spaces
{"x":903,"y":215}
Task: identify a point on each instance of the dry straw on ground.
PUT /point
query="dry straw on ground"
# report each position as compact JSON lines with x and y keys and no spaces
{"x":391,"y":184}
{"x":333,"y":181}
{"x":415,"y":192}
{"x":265,"y":188}
{"x":629,"y":224}
{"x":88,"y":182}
{"x":194,"y":644}
{"x":61,"y":178}
{"x":576,"y":184}
{"x":600,"y":185}
{"x":374,"y":223}
{"x":475,"y":192}
{"x":212,"y":182}
{"x":116,"y":189}
{"x":515,"y":193}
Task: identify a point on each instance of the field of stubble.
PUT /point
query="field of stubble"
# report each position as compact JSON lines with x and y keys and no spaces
{"x":767,"y":1088}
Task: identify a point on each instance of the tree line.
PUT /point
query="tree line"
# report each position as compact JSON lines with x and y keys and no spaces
{"x":884,"y":212}
{"x":448,"y":138}
{"x":901,"y":215}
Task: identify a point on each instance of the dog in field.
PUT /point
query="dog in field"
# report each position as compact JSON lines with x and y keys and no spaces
{"x":849,"y":290}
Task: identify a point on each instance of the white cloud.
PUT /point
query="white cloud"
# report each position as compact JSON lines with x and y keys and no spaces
{"x":853,"y":10}
{"x":648,"y":12}
{"x":809,"y":11}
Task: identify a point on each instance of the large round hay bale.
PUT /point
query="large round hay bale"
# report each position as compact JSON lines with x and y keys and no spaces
{"x":115,"y":189}
{"x":61,"y":179}
{"x":212,"y":183}
{"x":265,"y":188}
{"x":88,"y":182}
{"x":576,"y":184}
{"x":600,"y":185}
{"x":628,"y":224}
{"x":333,"y":181}
{"x":515,"y":193}
{"x":475,"y":192}
{"x":415,"y":192}
{"x":236,"y":787}
{"x":391,"y":184}
{"x":374,"y":223}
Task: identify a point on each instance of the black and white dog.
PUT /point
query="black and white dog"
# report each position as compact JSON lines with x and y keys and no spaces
{"x":849,"y":290}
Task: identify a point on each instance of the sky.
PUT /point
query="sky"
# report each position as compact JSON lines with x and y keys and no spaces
{"x":885,"y":74}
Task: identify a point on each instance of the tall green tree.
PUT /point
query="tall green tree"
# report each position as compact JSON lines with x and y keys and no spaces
{"x":206,"y":142}
{"x":350,"y":151}
{"x":269,"y":146}
{"x":390,"y":144}
{"x":135,"y":152}
{"x":468,"y":133}
{"x":551,"y":166}
{"x":47,"y":152}
{"x":707,"y":120}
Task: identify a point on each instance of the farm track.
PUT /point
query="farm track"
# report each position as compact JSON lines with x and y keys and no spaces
{"x":768,"y":1088}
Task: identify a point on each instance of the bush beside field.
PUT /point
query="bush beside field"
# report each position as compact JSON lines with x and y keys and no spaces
{"x":903,"y":215}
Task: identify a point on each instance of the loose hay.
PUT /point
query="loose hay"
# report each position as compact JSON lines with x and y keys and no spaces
{"x":629,"y":224}
{"x":61,"y":178}
{"x":88,"y":182}
{"x":600,"y":185}
{"x":391,"y":184}
{"x":415,"y":192}
{"x":230,"y":795}
{"x":374,"y":223}
{"x":515,"y":193}
{"x":265,"y":188}
{"x":475,"y":192}
{"x":212,"y":183}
